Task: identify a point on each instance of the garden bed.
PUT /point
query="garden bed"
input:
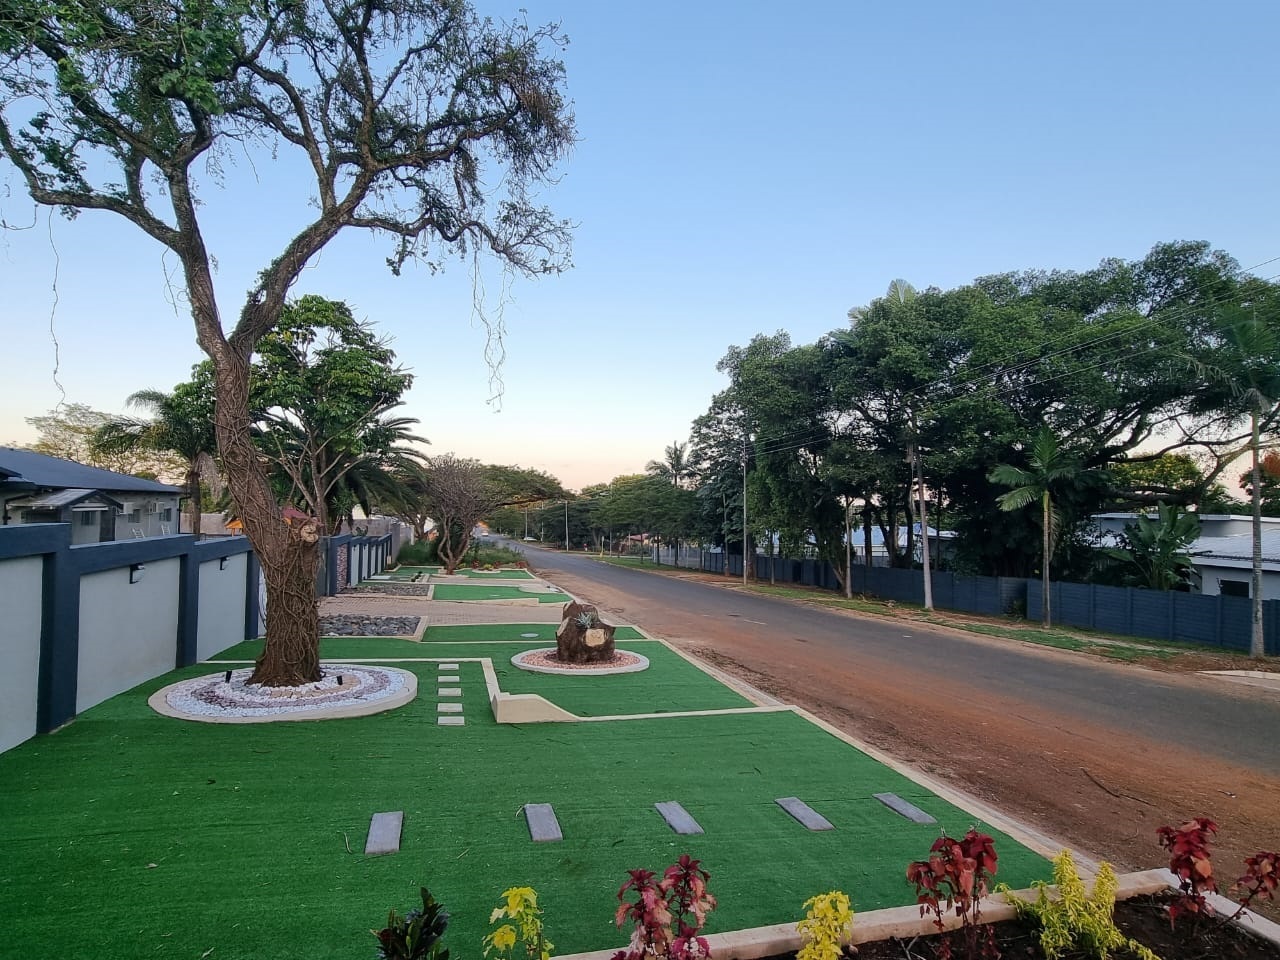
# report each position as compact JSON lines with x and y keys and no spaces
{"x":1144,"y":918}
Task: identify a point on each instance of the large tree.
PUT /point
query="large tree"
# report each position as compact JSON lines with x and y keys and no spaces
{"x":396,"y":109}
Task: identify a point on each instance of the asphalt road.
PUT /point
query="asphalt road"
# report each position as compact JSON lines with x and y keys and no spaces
{"x":1235,"y":723}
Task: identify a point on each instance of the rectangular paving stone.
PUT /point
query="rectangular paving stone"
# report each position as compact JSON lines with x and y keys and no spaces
{"x":446,"y":667}
{"x":450,"y":721}
{"x":543,"y":825}
{"x":448,"y":691}
{"x":448,"y":708}
{"x":902,"y":807}
{"x":677,"y":817}
{"x":384,"y":834}
{"x":804,"y":813}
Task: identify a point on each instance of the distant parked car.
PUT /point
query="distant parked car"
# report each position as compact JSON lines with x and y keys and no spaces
{"x":530,"y":539}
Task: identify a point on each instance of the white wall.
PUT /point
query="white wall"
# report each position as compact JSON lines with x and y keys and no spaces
{"x":220,"y":614}
{"x":1211,"y":574}
{"x":21,"y":611}
{"x":128,"y":631}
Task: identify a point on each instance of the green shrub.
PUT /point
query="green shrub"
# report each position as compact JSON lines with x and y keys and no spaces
{"x":418,"y":554}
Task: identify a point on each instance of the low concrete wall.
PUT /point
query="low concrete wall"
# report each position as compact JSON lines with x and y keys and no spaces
{"x":127,"y":630}
{"x":74,"y":630}
{"x":222,"y":586}
{"x":21,"y":590}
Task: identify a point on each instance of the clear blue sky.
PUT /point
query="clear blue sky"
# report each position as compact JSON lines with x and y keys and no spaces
{"x":743,"y":168}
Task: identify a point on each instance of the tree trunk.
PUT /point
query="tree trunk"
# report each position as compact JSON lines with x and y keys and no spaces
{"x":1257,"y":641}
{"x":193,"y":496}
{"x":289,"y":554}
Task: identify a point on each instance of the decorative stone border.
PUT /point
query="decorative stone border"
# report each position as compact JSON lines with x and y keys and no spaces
{"x":635,"y":666}
{"x":211,"y":699}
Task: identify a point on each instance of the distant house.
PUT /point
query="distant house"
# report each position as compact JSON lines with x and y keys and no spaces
{"x":1224,"y":565}
{"x":1211,"y":524}
{"x":99,"y":504}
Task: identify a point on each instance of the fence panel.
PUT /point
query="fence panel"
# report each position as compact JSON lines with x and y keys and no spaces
{"x":21,"y":592}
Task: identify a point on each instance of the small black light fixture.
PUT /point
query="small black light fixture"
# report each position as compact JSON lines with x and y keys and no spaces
{"x":135,"y":572}
{"x":227,"y":678}
{"x":222,"y":563}
{"x":339,"y":679}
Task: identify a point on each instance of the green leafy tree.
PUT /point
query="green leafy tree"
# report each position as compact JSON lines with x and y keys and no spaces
{"x":1246,"y":361}
{"x":69,"y":433}
{"x":418,"y":121}
{"x":323,"y":388}
{"x":1155,"y":548}
{"x":181,"y":423}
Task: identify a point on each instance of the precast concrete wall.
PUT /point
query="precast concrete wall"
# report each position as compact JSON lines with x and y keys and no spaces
{"x":127,"y":630}
{"x":222,"y":589}
{"x":21,"y":616}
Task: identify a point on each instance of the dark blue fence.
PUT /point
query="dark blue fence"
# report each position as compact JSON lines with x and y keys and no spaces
{"x":1216,"y":621}
{"x":1127,"y":611}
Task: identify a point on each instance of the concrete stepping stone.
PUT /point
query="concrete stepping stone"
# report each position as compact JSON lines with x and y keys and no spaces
{"x":384,"y":834}
{"x":903,"y":808}
{"x":543,"y":825}
{"x":677,"y":817}
{"x":450,"y":721}
{"x":448,"y":708}
{"x":448,"y":691}
{"x":804,"y":813}
{"x":446,"y":667}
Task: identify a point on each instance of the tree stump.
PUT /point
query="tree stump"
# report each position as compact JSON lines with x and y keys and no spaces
{"x":582,"y":636}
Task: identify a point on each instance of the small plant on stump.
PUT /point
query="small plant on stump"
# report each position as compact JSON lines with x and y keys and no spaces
{"x":955,"y":878}
{"x":520,"y":905}
{"x":826,"y":927}
{"x":417,"y":935}
{"x":1077,"y":923}
{"x":1189,"y":859}
{"x":667,"y":913}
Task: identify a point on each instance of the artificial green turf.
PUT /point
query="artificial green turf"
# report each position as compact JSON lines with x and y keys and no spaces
{"x":670,"y":685}
{"x":467,"y":591}
{"x":248,"y":826}
{"x":510,"y":631}
{"x":514,"y":573}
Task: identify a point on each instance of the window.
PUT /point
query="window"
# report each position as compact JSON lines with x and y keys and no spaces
{"x":88,"y":518}
{"x":135,"y":516}
{"x":167,"y":515}
{"x":1234,"y":588}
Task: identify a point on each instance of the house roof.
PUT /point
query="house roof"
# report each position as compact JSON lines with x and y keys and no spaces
{"x":64,"y":498}
{"x":53,"y":472}
{"x":1239,"y":547}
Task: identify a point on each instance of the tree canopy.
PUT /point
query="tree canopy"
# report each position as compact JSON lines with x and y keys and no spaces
{"x":418,"y":121}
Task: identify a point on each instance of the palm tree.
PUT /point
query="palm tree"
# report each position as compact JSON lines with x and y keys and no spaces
{"x":675,"y":466}
{"x":1049,"y":468}
{"x":358,"y":464}
{"x":181,"y":423}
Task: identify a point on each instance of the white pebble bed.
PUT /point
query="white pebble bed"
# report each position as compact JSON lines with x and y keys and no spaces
{"x":213,"y":696}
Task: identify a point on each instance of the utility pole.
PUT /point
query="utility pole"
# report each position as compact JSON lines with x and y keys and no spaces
{"x":917,"y":471}
{"x":526,"y":521}
{"x":566,"y":526}
{"x":848,"y":548}
{"x":745,"y":439}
